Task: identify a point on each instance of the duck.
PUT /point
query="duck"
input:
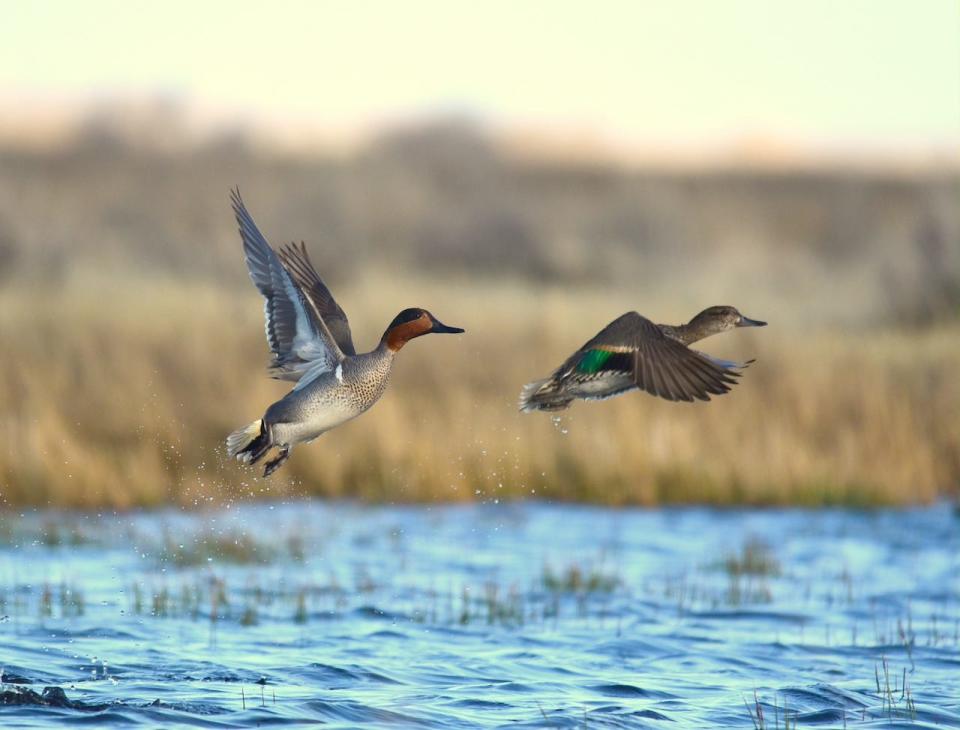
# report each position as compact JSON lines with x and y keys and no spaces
{"x":311,"y":343}
{"x":634,"y":353}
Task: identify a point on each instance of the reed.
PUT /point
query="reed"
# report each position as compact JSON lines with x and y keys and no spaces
{"x":120,"y":394}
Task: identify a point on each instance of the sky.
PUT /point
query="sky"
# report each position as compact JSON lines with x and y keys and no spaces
{"x":869,"y":75}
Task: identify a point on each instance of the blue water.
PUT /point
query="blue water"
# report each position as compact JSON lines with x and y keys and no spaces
{"x":481,"y":616}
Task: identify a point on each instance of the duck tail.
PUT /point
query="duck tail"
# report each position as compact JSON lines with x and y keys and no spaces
{"x":543,"y":395}
{"x":249,"y":443}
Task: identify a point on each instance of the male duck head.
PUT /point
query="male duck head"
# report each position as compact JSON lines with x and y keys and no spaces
{"x":411,"y":323}
{"x":713,"y":320}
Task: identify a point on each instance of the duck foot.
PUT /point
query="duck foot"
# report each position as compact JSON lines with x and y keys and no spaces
{"x":274,"y":464}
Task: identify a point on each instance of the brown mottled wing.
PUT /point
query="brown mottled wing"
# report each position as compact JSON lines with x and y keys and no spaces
{"x":297,"y":261}
{"x":657,"y":364}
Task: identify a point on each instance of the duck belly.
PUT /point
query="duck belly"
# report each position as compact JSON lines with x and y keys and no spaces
{"x":293,"y":432}
{"x":302,"y":416}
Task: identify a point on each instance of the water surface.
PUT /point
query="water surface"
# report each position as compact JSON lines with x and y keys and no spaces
{"x":495,"y":615}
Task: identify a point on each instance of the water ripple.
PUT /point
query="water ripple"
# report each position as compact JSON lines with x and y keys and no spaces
{"x":487,"y":616}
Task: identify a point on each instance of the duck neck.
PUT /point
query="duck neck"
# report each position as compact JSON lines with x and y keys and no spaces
{"x":688,"y":333}
{"x":386,"y":349}
{"x":399,"y":335}
{"x":394,"y":340}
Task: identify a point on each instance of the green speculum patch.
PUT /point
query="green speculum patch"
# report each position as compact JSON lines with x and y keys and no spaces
{"x":593,"y":360}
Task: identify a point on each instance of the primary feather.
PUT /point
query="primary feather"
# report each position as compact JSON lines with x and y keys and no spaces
{"x":296,"y":333}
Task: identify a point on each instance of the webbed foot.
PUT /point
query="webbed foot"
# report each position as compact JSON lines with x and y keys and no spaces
{"x":274,"y":464}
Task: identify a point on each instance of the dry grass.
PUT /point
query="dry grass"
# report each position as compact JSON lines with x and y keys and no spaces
{"x":120,"y":395}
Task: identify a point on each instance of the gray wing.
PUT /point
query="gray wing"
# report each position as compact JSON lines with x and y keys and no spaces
{"x":633,"y":346}
{"x":297,"y":262}
{"x":296,"y":334}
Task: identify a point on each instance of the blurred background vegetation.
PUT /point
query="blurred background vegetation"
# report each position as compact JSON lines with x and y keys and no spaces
{"x":528,"y":174}
{"x":133,"y":342}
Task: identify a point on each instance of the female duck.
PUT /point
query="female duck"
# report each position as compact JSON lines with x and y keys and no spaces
{"x":632,"y":352}
{"x":310,"y":339}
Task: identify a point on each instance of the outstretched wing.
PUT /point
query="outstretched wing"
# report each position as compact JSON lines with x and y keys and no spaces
{"x":297,"y":262}
{"x":633,"y":348}
{"x":296,"y":333}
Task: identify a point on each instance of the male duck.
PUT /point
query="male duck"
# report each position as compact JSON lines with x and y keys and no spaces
{"x":632,"y":352}
{"x":310,"y":339}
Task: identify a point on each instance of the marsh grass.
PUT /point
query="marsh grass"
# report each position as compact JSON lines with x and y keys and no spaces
{"x":184,"y":593}
{"x":749,"y":571}
{"x":576,"y":579}
{"x":237,"y":547}
{"x":761,"y":719}
{"x":132,"y":339}
{"x":894,"y":691}
{"x":131,"y":406}
{"x":755,"y":558}
{"x":64,"y":600}
{"x":248,"y":593}
{"x":62,"y":531}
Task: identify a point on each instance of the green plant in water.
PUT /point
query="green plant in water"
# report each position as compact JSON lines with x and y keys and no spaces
{"x":249,"y":616}
{"x":760,"y":720}
{"x":756,"y":557}
{"x":575,"y":580}
{"x":300,"y":614}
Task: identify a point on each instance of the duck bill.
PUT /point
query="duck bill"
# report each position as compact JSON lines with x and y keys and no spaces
{"x":747,"y":322}
{"x":439,"y":328}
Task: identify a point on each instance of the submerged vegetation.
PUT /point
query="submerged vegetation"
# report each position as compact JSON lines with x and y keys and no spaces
{"x":755,"y":558}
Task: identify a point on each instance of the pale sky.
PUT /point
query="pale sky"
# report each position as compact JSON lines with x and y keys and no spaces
{"x":864,"y":74}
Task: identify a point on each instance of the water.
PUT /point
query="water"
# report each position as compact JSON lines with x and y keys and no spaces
{"x":481,"y":616}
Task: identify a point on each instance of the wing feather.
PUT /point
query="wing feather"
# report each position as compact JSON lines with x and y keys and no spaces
{"x":699,"y":383}
{"x":682,"y":386}
{"x":297,"y":262}
{"x":296,"y":333}
{"x":661,"y":365}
